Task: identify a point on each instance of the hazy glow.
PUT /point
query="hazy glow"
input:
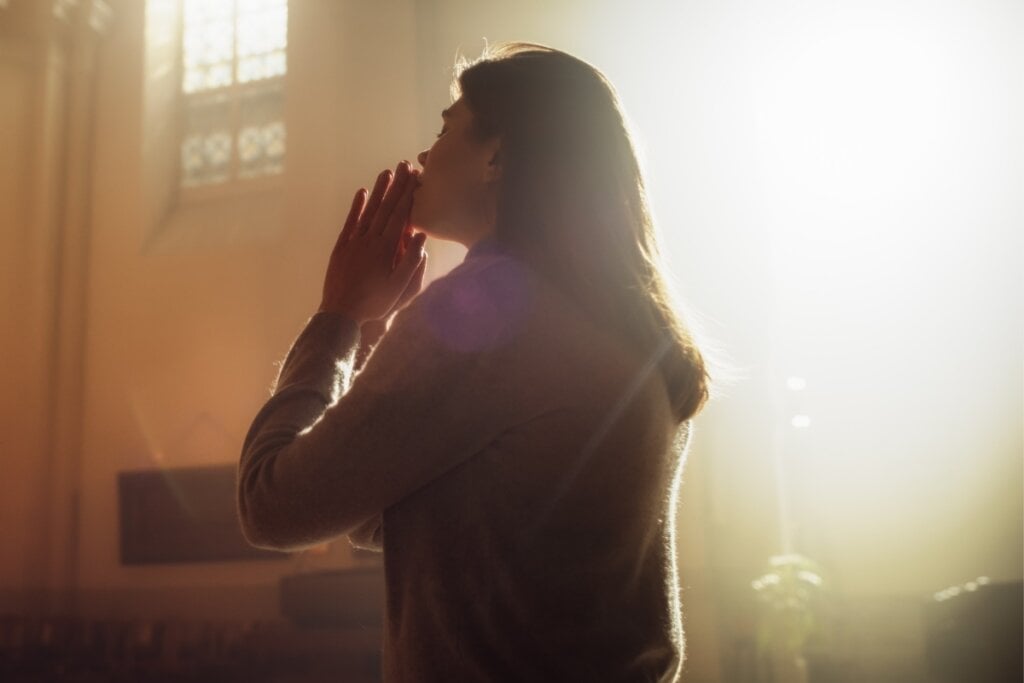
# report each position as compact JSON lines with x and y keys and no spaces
{"x":809,"y":577}
{"x":801,"y":421}
{"x":954,"y":591}
{"x":796,"y":383}
{"x":838,"y":185}
{"x":226,"y":41}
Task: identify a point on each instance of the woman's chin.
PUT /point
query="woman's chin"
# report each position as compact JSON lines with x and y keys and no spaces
{"x":437,"y":229}
{"x":421,"y":224}
{"x":417,"y":222}
{"x":433,"y":232}
{"x":420,"y":227}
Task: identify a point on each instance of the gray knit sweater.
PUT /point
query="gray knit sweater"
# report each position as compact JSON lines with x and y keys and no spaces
{"x":517,"y":466}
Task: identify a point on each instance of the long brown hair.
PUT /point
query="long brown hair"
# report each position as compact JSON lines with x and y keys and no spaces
{"x":572,"y":199}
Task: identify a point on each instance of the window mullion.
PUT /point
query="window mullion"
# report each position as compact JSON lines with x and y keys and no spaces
{"x":183,"y":103}
{"x":236,"y":99}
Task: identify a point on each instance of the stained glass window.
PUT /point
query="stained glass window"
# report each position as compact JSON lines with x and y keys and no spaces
{"x":234,"y":57}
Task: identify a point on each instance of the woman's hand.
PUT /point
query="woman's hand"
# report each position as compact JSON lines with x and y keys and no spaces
{"x":371,"y":331}
{"x":375,"y":267}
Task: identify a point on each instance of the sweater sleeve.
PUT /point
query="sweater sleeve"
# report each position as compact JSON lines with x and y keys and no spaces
{"x":369,"y":534}
{"x":330,"y":450}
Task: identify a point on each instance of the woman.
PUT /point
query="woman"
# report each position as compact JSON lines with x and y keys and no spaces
{"x":515,"y":442}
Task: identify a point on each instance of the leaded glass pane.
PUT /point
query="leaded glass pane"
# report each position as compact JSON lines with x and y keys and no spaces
{"x":206,"y":151}
{"x":261,"y":137}
{"x":207,"y":11}
{"x":261,"y":66}
{"x":207,"y":77}
{"x":262,"y":39}
{"x":262,"y":27}
{"x":209,"y":44}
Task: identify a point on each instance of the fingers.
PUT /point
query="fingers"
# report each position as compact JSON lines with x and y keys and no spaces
{"x":353,"y":216}
{"x":416,"y":283}
{"x":411,"y":267}
{"x":403,"y":244}
{"x":399,"y":188}
{"x":398,"y":222}
{"x":373,"y":205}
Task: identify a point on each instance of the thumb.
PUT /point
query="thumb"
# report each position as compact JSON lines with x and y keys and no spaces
{"x":415,"y":284}
{"x":412,"y":259}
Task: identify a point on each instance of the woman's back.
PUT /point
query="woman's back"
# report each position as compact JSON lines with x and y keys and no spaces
{"x":547,"y":554}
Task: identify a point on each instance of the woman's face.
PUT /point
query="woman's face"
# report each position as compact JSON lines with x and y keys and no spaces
{"x":457,"y":193}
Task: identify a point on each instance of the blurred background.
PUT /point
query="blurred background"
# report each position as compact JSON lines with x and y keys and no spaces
{"x":838,"y":186}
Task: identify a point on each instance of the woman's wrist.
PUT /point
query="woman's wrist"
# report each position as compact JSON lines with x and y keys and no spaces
{"x":347,"y":311}
{"x":342,"y":311}
{"x":370,"y":333}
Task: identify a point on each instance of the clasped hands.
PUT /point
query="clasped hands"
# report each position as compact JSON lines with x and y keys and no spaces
{"x":377,"y":264}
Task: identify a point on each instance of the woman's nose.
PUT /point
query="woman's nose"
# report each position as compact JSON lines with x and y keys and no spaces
{"x":422,"y":158}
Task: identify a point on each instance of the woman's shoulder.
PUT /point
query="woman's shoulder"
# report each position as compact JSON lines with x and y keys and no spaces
{"x":496,"y":298}
{"x":498,"y":310}
{"x":483,"y":303}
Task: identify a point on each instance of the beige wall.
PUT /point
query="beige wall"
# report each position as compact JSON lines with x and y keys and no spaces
{"x":30,"y":127}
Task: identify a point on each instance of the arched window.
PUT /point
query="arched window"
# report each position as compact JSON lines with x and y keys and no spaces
{"x":234,"y":59}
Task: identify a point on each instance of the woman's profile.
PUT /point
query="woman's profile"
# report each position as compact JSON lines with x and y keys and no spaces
{"x":515,"y":440}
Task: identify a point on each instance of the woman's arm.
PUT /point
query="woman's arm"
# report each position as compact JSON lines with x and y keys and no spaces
{"x":368,"y":535}
{"x":332,"y":448}
{"x":370,"y":333}
{"x":376,"y":266}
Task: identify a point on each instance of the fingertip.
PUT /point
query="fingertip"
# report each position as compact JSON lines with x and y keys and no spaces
{"x":416,"y":246}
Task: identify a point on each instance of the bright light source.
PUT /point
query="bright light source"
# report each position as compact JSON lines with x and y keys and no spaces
{"x":801,"y":421}
{"x":835,"y":183}
{"x":796,"y":383}
{"x":809,"y":577}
